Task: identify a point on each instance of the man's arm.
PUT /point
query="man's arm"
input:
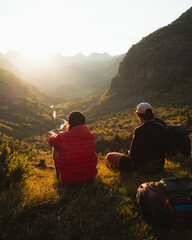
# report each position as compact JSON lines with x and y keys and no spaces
{"x":135,"y":148}
{"x":54,"y":141}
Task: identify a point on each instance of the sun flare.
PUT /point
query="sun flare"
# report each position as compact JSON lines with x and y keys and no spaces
{"x":36,"y":55}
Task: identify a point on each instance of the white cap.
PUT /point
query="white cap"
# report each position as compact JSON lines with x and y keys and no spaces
{"x":142,"y":107}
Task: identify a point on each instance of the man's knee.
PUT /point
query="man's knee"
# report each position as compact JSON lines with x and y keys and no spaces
{"x":108,"y":156}
{"x":114,"y":158}
{"x":111,"y":156}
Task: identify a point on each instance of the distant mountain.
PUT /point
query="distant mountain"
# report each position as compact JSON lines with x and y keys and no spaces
{"x":158,"y":68}
{"x":12,"y":86}
{"x":100,"y":56}
{"x":6,"y":64}
{"x":88,"y":75}
{"x":24,"y":109}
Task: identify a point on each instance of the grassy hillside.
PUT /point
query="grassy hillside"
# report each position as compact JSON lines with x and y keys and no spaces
{"x":6,"y":64}
{"x":24,"y":110}
{"x":12,"y":86}
{"x":37,"y":207}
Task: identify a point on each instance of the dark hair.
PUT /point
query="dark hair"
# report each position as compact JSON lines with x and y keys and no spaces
{"x":76,"y":118}
{"x":148,"y":114}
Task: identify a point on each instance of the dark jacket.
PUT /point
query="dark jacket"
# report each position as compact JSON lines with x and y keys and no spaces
{"x":149,"y":145}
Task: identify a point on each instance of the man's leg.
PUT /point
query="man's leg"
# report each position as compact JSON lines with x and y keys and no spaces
{"x":121,"y":161}
{"x":114,"y":158}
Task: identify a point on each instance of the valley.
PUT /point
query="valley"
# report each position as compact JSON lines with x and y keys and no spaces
{"x":69,"y":77}
{"x":33,"y":205}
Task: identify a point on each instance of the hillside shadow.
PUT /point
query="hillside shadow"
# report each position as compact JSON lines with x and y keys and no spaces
{"x":163,"y":230}
{"x":185,"y":163}
{"x":103,"y":209}
{"x":90,"y":208}
{"x":11,"y":198}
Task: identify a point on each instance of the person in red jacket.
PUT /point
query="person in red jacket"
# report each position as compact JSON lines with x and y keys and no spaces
{"x":76,"y":159}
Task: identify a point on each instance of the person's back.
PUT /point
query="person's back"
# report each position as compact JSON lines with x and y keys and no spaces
{"x":149,"y":146}
{"x":76,"y":159}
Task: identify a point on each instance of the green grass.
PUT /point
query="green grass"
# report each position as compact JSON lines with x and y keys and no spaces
{"x":106,"y":208}
{"x":40,"y":208}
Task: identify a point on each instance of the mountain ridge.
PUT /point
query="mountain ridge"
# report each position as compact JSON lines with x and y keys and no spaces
{"x":161,"y":58}
{"x":157,"y":69}
{"x":87,"y":75}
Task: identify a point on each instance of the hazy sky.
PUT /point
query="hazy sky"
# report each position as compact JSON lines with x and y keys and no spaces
{"x":37,"y":27}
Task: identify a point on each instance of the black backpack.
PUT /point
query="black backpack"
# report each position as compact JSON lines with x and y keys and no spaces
{"x":180,"y":141}
{"x":166,"y":201}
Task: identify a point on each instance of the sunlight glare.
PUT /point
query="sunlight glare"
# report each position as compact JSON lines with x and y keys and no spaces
{"x":36,"y":55}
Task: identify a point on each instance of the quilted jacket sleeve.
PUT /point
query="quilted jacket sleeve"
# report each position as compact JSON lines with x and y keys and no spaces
{"x":54,"y":141}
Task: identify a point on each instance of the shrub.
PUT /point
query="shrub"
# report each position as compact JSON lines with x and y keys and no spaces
{"x":13,"y":167}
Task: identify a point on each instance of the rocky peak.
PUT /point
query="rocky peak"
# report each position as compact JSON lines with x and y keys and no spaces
{"x":160,"y":60}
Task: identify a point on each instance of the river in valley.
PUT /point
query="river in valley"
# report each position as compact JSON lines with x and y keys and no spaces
{"x":53,"y":131}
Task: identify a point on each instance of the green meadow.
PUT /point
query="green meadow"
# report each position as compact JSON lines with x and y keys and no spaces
{"x":33,"y":205}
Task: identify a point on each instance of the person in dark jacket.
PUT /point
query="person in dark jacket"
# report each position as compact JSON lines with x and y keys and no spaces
{"x":75,"y":157}
{"x":148,"y":147}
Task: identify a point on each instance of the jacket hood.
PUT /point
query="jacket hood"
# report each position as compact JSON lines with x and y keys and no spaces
{"x":82,"y":131}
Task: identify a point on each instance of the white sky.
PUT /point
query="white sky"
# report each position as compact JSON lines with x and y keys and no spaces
{"x":37,"y":27}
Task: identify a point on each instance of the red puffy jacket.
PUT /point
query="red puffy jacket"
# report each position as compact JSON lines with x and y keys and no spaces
{"x":77,"y":159}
